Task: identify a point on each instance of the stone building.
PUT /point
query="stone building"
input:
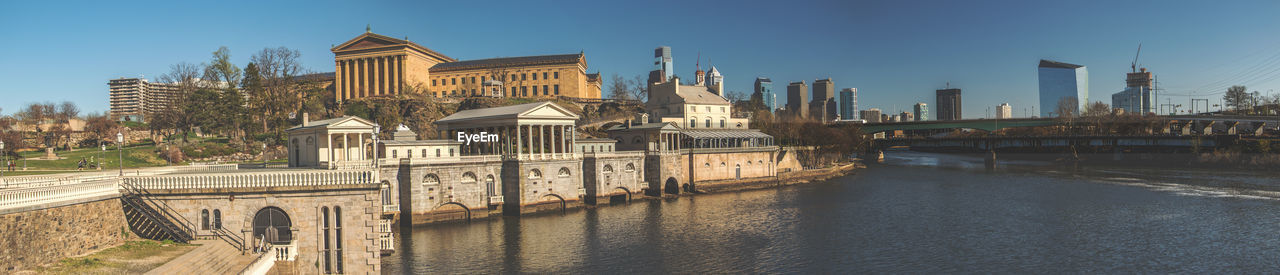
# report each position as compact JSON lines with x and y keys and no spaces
{"x":377,"y":65}
{"x":691,"y":106}
{"x":331,"y":143}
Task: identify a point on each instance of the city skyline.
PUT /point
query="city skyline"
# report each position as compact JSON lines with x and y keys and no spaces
{"x":903,"y":52}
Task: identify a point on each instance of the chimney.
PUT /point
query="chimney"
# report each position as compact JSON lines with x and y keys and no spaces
{"x":306,"y":119}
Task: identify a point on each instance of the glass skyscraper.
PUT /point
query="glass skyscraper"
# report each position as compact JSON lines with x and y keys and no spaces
{"x":764,"y":87}
{"x":849,"y":104}
{"x":1062,"y":81}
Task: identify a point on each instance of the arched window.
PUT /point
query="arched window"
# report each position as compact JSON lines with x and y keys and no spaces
{"x":217,"y":219}
{"x":564,"y":172}
{"x":535,"y":174}
{"x":607,"y":169}
{"x":489,"y":186}
{"x":637,"y":140}
{"x":761,"y":162}
{"x":337,"y":230}
{"x":721,"y":164}
{"x":631,"y":167}
{"x":311,"y":140}
{"x":326,"y":247}
{"x":706,"y":165}
{"x":468,"y":177}
{"x":204,"y":219}
{"x":273,"y":224}
{"x":431,"y":179}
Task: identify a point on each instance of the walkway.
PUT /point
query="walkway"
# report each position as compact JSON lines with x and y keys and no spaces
{"x":212,"y":257}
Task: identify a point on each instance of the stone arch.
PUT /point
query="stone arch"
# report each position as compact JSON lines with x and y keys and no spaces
{"x":564,"y":172}
{"x":468,"y":177}
{"x":555,"y":200}
{"x":672,"y":186}
{"x":607,"y":169}
{"x":273,"y":225}
{"x":450,"y":211}
{"x":430,"y":179}
{"x":620,"y":198}
{"x":535,"y":174}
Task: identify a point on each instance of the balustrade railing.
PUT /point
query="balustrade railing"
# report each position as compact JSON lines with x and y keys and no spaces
{"x":23,"y":197}
{"x":252,"y":180}
{"x":390,"y":208}
{"x":495,"y":200}
{"x":614,"y":154}
{"x":386,"y":242}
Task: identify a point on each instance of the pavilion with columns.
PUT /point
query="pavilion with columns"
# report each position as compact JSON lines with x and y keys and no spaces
{"x":343,"y":142}
{"x":533,"y":131}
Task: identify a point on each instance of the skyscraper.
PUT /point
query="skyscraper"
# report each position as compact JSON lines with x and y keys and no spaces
{"x":1062,"y":81}
{"x":715,"y":81}
{"x":823,"y":106}
{"x":849,"y":104}
{"x":922,"y":111}
{"x":663,"y":69}
{"x":797,"y":99}
{"x":1004,"y":111}
{"x":949,"y":104}
{"x":871,"y":115}
{"x":764,"y":90}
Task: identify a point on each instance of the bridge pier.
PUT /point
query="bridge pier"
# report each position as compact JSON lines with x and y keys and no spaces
{"x":1208,"y":128}
{"x":1231,"y":126}
{"x":990,"y":159}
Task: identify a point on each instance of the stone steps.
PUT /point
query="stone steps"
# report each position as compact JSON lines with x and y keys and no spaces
{"x":212,"y":257}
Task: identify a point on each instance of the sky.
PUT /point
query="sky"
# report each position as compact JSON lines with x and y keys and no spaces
{"x":896,"y":53}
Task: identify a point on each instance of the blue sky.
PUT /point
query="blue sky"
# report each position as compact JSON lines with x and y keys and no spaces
{"x":895,"y":52}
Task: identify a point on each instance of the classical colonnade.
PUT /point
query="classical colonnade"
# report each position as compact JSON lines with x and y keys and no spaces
{"x":369,"y":76}
{"x":341,"y":149}
{"x":534,"y":140}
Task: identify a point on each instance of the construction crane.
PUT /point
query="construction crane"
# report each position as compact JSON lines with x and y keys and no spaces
{"x":1134,"y":66}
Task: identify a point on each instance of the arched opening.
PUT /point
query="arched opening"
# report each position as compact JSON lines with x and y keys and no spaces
{"x":551,"y":202}
{"x":272,"y":225}
{"x":618,"y":198}
{"x":451,"y":211}
{"x":672,"y":186}
{"x":737,"y":171}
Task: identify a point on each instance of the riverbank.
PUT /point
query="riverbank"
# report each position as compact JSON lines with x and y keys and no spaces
{"x":133,"y":257}
{"x":783,"y":179}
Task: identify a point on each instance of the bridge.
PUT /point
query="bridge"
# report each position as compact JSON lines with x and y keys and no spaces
{"x":1178,"y":124}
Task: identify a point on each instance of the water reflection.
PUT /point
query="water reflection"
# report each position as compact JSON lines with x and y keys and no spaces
{"x":917,"y":213}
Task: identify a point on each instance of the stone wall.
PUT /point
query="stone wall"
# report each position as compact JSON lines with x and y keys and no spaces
{"x":37,"y":237}
{"x":725,"y":166}
{"x":448,"y":196}
{"x":549,"y":191}
{"x":360,"y":205}
{"x":624,"y":176}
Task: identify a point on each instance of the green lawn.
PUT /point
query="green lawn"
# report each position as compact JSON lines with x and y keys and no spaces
{"x":134,"y":156}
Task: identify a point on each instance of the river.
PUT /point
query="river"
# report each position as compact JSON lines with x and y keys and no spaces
{"x":916,"y":213}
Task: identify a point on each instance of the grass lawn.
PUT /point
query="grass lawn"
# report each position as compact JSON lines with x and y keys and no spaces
{"x":134,"y":156}
{"x":133,"y":257}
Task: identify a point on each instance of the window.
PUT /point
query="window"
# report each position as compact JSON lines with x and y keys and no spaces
{"x":524,"y":77}
{"x":545,"y":90}
{"x":473,"y":92}
{"x":722,"y":122}
{"x":637,"y":140}
{"x":706,"y":165}
{"x":473,"y":80}
{"x":431,"y":179}
{"x":708,"y":122}
{"x":722,"y":109}
{"x":393,"y":153}
{"x":337,"y":229}
{"x":535,"y":174}
{"x":544,"y":75}
{"x":557,"y":89}
{"x":204,"y":219}
{"x":607,"y":169}
{"x":535,"y":76}
{"x":708,"y":109}
{"x":450,"y":152}
{"x":535,"y":90}
{"x":564,"y":172}
{"x":464,"y":81}
{"x":454,"y":81}
{"x":433,"y":82}
{"x":693,"y":123}
{"x":437,"y":152}
{"x":721,"y":164}
{"x":408,"y":153}
{"x":631,"y":167}
{"x":557,"y":75}
{"x":513,"y":91}
{"x":217,"y":219}
{"x":482,"y":79}
{"x":424,"y":153}
{"x":468,"y":177}
{"x":693,"y":108}
{"x":327,"y":249}
{"x":524,"y":90}
{"x":488,"y":182}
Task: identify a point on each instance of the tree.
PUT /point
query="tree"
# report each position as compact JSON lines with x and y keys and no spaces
{"x":1096,"y":109}
{"x":277,"y":68}
{"x":1236,"y":97}
{"x":639,"y":88}
{"x":178,"y":113}
{"x":619,"y":88}
{"x":225,"y":104}
{"x":251,"y":84}
{"x":734,"y":97}
{"x":1068,"y":107}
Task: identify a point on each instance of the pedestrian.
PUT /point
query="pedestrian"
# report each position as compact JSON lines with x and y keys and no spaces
{"x":80,"y":165}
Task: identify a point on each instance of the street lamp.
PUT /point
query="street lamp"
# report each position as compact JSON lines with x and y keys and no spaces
{"x":264,"y":154}
{"x":120,"y":148}
{"x":104,"y":150}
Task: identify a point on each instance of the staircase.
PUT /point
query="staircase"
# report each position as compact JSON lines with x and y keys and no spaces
{"x":154,"y":219}
{"x":212,"y":257}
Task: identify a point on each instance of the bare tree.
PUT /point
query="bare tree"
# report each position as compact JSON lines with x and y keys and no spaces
{"x":619,"y":88}
{"x":510,"y":80}
{"x":640,"y":88}
{"x":1096,"y":109}
{"x":734,"y":97}
{"x":1236,"y":97}
{"x":277,"y":68}
{"x":186,"y":79}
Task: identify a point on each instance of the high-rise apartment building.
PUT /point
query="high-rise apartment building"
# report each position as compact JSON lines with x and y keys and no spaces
{"x":136,"y":99}
{"x":906,"y":116}
{"x":948,"y":104}
{"x":797,"y":99}
{"x":871,"y":115}
{"x":921,"y":111}
{"x":849,"y":104}
{"x":1004,"y":111}
{"x":764,"y":91}
{"x":1062,"y":82}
